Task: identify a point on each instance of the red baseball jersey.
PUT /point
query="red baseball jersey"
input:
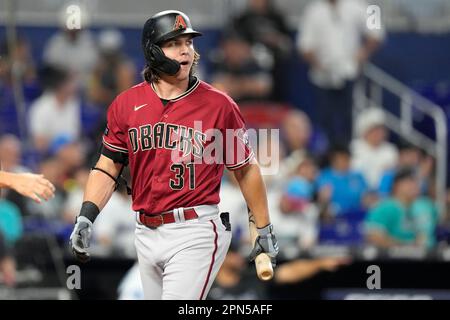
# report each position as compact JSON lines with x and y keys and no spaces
{"x":177,"y":152}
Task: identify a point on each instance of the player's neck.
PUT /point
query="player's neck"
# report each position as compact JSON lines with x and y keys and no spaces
{"x":170,"y":88}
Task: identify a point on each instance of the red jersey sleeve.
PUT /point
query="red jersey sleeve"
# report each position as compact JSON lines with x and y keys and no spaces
{"x":114,"y":137}
{"x":238,"y":152}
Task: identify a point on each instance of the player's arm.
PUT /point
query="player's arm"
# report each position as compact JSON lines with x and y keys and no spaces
{"x":99,"y":188}
{"x":254,"y":191}
{"x":101,"y":184}
{"x":33,"y":186}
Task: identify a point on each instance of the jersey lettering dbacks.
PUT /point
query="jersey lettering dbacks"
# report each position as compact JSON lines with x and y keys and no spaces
{"x":173,"y":149}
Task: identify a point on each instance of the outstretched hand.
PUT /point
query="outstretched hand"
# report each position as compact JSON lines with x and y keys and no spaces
{"x":33,"y":186}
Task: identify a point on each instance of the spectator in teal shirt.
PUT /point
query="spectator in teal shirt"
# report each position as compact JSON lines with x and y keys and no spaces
{"x":10,"y":222}
{"x":348,"y":187}
{"x":404,"y":218}
{"x":409,"y":156}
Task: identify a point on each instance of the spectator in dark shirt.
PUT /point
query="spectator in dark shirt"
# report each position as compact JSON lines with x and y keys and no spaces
{"x":237,"y":72}
{"x":263,"y":25}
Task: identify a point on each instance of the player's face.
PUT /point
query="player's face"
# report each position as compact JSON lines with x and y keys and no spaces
{"x":181,"y":49}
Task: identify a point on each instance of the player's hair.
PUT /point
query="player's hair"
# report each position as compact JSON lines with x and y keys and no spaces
{"x":152,"y":76}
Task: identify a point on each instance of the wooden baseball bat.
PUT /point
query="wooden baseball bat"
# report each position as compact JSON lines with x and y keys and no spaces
{"x":262,"y":262}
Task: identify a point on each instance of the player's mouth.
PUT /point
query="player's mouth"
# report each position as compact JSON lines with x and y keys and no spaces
{"x":184,"y":63}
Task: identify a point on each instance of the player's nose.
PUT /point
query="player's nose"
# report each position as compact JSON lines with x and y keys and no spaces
{"x":184,"y":48}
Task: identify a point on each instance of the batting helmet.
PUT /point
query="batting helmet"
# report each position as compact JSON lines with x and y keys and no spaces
{"x":161,"y":27}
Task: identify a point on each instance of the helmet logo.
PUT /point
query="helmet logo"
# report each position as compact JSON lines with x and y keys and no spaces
{"x":179,"y":23}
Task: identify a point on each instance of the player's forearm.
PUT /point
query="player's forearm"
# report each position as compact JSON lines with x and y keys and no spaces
{"x":100,"y":186}
{"x":99,"y":189}
{"x":254,"y":191}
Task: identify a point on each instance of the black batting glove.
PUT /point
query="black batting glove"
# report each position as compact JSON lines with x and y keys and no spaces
{"x":266,"y":242}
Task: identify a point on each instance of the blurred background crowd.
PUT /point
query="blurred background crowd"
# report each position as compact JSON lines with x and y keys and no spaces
{"x":362,"y":110}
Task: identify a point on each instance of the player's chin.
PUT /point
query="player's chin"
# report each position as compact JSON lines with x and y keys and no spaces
{"x":183,"y":74}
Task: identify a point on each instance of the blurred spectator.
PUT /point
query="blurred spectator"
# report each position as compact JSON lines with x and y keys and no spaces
{"x":299,"y":136}
{"x":372,"y":154}
{"x":237,"y":72}
{"x":73,"y":49}
{"x":296,"y":133}
{"x":18,"y":61}
{"x":299,"y":199}
{"x":7,"y":264}
{"x":404,"y":218}
{"x":293,"y":230}
{"x":262,"y":24}
{"x":57,"y":112}
{"x":10,"y":231}
{"x":413,"y":157}
{"x":329,"y":40}
{"x":113,"y":73}
{"x":347,"y":187}
{"x":11,"y":154}
{"x":69,"y":153}
{"x":300,"y":188}
{"x":10,"y":222}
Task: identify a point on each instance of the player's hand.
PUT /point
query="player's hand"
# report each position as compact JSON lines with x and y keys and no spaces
{"x":33,"y":186}
{"x":266,"y":242}
{"x":80,"y":239}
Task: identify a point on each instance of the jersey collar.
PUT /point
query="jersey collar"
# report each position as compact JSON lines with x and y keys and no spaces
{"x":194,"y":82}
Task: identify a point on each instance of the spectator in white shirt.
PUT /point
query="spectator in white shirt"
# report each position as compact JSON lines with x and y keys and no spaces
{"x":57,"y":112}
{"x":73,"y":49}
{"x":330,"y":40}
{"x":372,"y":154}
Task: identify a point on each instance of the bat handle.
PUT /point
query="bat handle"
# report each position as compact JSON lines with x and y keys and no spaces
{"x":264,"y":267}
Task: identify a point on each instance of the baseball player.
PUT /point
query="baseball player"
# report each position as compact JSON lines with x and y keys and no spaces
{"x":33,"y":186}
{"x":177,"y":134}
